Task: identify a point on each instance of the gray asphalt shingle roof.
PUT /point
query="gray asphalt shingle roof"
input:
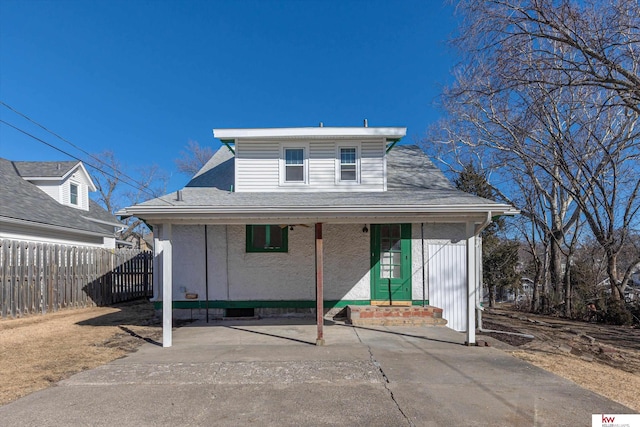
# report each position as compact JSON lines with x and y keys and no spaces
{"x":412,"y":179}
{"x":21,"y":200}
{"x":44,"y":169}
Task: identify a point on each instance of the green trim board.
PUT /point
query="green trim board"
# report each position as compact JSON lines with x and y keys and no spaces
{"x":391,"y":262}
{"x":268,"y":304}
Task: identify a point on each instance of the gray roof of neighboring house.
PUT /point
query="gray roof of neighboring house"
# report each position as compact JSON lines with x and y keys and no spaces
{"x":22,"y":200}
{"x":44,"y":169}
{"x":412,"y":179}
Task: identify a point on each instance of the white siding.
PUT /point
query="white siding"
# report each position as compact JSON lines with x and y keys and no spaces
{"x":53,"y":189}
{"x":446,"y":258}
{"x":257,"y":166}
{"x":322,"y":165}
{"x":372,"y":164}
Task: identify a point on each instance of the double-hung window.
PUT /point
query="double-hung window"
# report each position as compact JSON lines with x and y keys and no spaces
{"x":73,"y":194}
{"x":347,"y":165}
{"x":294,"y":164}
{"x":267,"y":238}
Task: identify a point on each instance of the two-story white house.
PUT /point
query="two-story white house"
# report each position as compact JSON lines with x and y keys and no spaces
{"x":286,"y":220}
{"x":48,"y":202}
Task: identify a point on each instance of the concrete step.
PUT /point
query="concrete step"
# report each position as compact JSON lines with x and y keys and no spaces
{"x":370,"y":315}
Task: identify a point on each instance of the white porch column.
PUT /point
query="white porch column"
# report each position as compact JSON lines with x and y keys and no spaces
{"x":167,"y":285}
{"x":157,"y":264}
{"x":471,"y":283}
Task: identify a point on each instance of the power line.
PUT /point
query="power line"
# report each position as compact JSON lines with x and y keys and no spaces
{"x":137,"y":187}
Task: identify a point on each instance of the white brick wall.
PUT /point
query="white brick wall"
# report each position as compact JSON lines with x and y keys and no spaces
{"x":237,"y":275}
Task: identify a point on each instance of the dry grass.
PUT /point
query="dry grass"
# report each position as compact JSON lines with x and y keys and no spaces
{"x":38,"y":351}
{"x":602,"y":358}
{"x":615,"y":384}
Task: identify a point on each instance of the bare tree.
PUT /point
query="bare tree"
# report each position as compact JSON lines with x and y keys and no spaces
{"x":548,"y":96}
{"x":107,"y":179}
{"x":118,"y":187}
{"x":193,"y":158}
{"x":582,"y":43}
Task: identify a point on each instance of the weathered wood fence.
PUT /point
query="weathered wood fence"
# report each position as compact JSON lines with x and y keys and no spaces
{"x":43,"y":278}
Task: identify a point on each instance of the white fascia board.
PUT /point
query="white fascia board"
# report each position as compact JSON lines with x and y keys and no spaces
{"x":92,"y":185}
{"x":312,"y":132}
{"x":111,"y":223}
{"x":39,"y":225}
{"x":345,"y":211}
{"x":79,"y":165}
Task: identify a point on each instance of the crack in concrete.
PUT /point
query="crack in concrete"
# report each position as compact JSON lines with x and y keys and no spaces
{"x":386,"y":379}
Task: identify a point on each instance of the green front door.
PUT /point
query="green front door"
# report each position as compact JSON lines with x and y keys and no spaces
{"x":390,"y":263}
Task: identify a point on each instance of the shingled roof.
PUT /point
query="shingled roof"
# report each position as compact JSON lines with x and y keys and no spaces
{"x":414,"y":184}
{"x":44,"y":169}
{"x":23,"y":201}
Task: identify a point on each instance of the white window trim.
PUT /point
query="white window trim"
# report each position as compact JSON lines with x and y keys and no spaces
{"x":282,"y":163}
{"x":78,"y":194}
{"x":339,"y":181}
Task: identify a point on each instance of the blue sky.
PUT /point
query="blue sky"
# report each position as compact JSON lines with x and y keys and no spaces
{"x":142,"y":78}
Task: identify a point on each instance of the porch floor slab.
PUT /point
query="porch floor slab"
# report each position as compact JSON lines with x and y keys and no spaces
{"x":268,"y":372}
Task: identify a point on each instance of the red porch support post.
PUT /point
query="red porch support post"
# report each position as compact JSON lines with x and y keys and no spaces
{"x":319,"y":285}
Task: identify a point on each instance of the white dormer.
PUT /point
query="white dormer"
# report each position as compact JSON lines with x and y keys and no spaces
{"x":68,"y":183}
{"x":315,"y":159}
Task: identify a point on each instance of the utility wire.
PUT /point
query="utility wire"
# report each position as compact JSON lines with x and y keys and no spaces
{"x":137,"y":187}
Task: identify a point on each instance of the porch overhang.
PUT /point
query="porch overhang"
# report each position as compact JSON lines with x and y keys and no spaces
{"x":314,"y":214}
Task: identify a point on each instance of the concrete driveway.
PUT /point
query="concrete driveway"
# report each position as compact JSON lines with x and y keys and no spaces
{"x":269,"y":373}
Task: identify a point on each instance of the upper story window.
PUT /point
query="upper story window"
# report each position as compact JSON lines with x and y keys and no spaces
{"x":73,"y":194}
{"x":294,"y":164}
{"x":348,"y":166}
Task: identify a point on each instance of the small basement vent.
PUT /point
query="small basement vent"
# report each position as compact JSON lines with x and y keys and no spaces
{"x":239,"y":312}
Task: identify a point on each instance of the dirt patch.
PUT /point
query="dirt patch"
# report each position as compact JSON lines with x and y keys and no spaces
{"x":602,"y":358}
{"x":40,"y":350}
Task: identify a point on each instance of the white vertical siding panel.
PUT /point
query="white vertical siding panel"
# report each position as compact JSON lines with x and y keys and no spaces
{"x":447,"y":282}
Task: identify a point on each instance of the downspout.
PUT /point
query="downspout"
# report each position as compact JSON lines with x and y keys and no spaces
{"x":424,"y":298}
{"x":206,"y":270}
{"x":479,"y":308}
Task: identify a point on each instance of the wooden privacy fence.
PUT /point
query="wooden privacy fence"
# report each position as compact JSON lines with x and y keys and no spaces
{"x":42,"y":278}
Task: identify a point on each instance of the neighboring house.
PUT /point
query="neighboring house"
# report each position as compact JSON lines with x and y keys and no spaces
{"x":49,"y":202}
{"x":139,"y":241}
{"x":298,"y":218}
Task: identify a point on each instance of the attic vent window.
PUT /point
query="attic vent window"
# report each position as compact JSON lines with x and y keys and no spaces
{"x":73,"y":194}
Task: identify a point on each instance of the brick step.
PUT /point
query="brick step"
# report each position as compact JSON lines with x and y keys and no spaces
{"x":370,"y":315}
